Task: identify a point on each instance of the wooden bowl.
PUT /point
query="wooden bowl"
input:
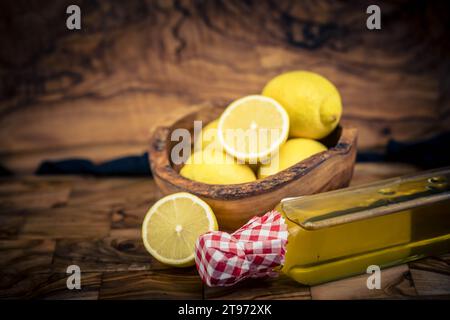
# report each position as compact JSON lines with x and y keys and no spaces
{"x":235,"y":204}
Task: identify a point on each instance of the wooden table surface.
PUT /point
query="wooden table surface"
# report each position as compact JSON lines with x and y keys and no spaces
{"x":49,"y":223}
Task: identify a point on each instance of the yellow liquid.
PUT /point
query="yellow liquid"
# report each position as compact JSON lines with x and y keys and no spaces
{"x":317,"y":256}
{"x":307,"y":251}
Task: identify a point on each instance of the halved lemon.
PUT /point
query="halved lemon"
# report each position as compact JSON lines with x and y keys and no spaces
{"x":253,"y":128}
{"x":173,"y":224}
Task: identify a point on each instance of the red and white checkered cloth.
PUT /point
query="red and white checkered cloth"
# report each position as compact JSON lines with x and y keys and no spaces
{"x":224,"y":259}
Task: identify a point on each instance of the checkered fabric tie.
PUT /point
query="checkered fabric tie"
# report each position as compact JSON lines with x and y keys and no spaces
{"x":224,"y":259}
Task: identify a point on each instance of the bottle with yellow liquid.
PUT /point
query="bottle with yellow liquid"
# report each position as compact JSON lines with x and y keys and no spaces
{"x":340,"y":233}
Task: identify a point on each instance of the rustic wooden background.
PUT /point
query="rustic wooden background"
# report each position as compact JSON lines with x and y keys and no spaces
{"x":99,"y":92}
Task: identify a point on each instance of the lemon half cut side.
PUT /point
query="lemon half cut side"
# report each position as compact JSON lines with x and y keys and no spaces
{"x":252,"y":128}
{"x":173,"y":224}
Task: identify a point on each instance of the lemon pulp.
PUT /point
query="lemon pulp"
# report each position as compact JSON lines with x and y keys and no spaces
{"x":172,"y":226}
{"x":252,"y":128}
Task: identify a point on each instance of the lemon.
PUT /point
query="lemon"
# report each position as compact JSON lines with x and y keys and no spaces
{"x":216,"y":167}
{"x":208,"y":134}
{"x":173,"y":224}
{"x":292,"y":152}
{"x":312,"y":102}
{"x":252,"y":128}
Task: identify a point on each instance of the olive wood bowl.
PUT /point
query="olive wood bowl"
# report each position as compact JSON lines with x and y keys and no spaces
{"x":235,"y":204}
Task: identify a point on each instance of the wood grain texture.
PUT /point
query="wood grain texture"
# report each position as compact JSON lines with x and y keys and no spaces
{"x":11,"y":223}
{"x":99,"y":92}
{"x":32,"y":194}
{"x":396,"y":283}
{"x":107,"y":254}
{"x":66,"y":222}
{"x":431,"y":276}
{"x":26,"y":256}
{"x":368,"y":172}
{"x":151,"y":285}
{"x":121,"y":194}
{"x":281,"y":287}
{"x":48,"y":287}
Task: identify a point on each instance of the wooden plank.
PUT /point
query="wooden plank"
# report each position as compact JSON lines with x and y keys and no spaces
{"x":67,"y":223}
{"x":371,"y":172}
{"x":11,"y":223}
{"x":26,"y":256}
{"x":125,"y":252}
{"x":131,"y":215}
{"x":32,"y":194}
{"x":129,"y":73}
{"x":172,"y":284}
{"x":137,"y":194}
{"x":431,"y":276}
{"x":48,"y":286}
{"x":126,"y":233}
{"x":86,"y":186}
{"x":396,"y":283}
{"x":255,"y":289}
{"x":128,"y":200}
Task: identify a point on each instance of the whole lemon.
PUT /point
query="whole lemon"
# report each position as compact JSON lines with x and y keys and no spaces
{"x":292,"y":152}
{"x":208,"y":134}
{"x":312,"y":102}
{"x":208,"y":138}
{"x":216,"y":167}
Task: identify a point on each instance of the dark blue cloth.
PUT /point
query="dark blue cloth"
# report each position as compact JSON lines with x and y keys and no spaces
{"x":427,"y":154}
{"x":430,"y":153}
{"x":4,"y":172}
{"x":127,"y":166}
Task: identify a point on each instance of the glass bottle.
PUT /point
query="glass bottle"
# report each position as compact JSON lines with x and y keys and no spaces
{"x":340,"y":233}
